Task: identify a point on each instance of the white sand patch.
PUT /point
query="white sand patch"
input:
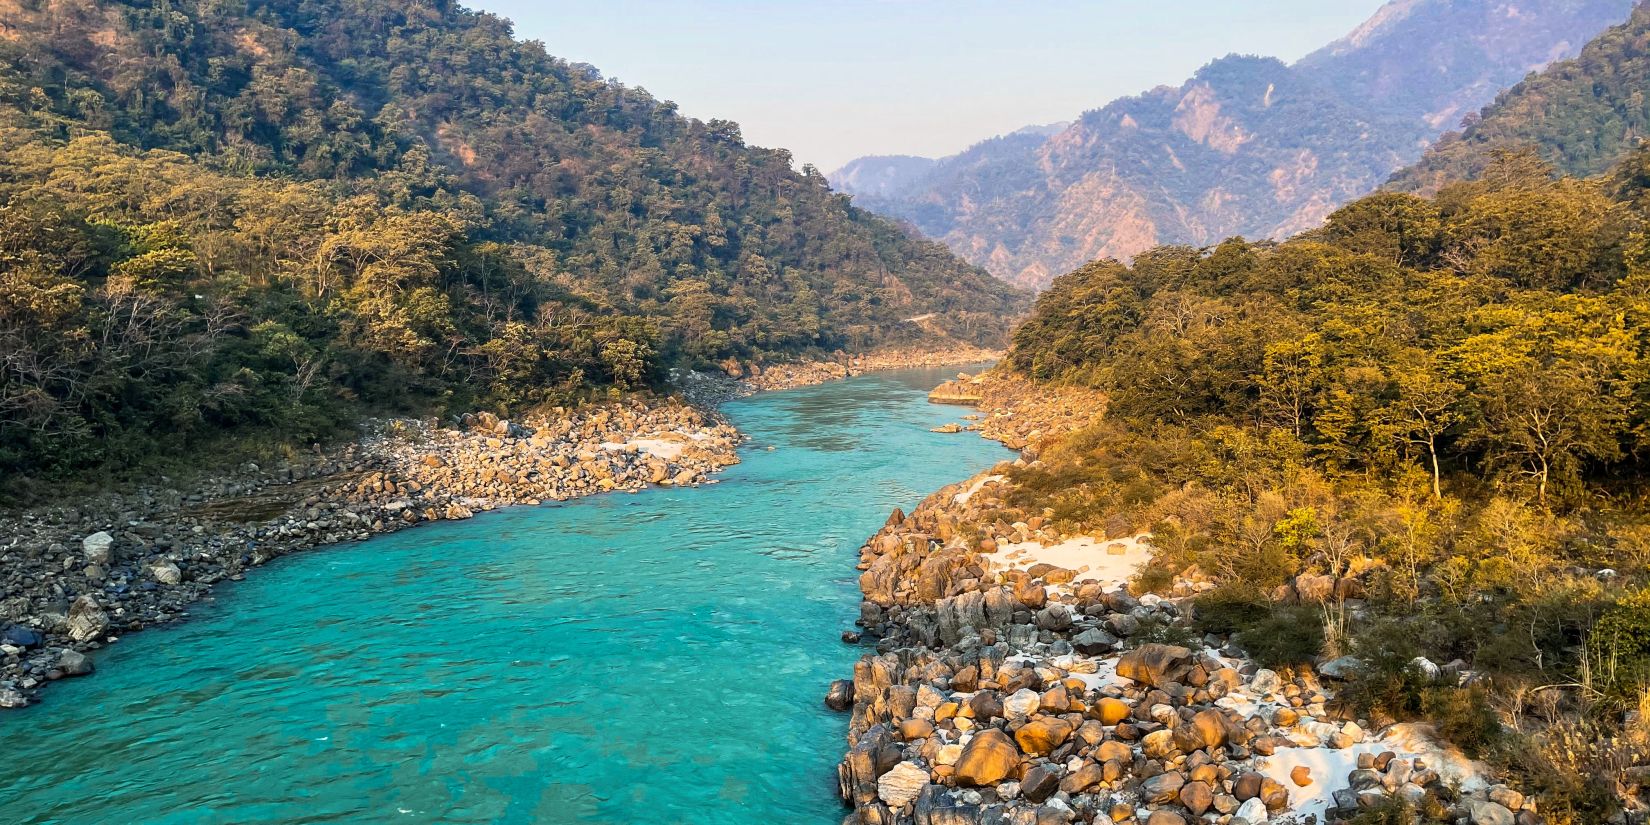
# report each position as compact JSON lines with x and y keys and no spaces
{"x":1453,"y":766}
{"x":1105,"y":669}
{"x":1329,"y":771}
{"x":1105,"y":674}
{"x":668,"y":446}
{"x":1111,"y":562}
{"x":978,"y":485}
{"x":1330,"y":767}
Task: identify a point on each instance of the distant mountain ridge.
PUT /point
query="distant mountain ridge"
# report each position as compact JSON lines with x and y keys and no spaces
{"x":1248,"y":146}
{"x":1581,"y":115}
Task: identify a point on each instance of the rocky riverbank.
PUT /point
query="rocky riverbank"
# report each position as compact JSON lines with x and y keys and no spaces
{"x":74,"y":577}
{"x":1018,"y":414}
{"x":1017,"y":679}
{"x":756,"y":378}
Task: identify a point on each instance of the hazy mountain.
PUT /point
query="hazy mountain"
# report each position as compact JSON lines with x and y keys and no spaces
{"x":1581,"y":115}
{"x":1249,"y":146}
{"x":313,"y":207}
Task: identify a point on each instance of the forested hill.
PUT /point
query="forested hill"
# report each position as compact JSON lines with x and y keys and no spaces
{"x":1581,"y":115}
{"x":1248,"y":146}
{"x":1440,"y":404}
{"x":262,"y":214}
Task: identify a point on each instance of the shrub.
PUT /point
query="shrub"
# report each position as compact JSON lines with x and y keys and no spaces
{"x":1463,"y":717}
{"x":1619,"y":646}
{"x":1392,"y":811}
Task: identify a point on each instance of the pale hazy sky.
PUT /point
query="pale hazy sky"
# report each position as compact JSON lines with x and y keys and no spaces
{"x":835,"y":80}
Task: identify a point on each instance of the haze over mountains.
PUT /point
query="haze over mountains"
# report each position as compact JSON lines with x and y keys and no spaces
{"x":1248,"y":146}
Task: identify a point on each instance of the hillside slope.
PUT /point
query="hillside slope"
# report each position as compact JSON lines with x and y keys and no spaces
{"x":1247,"y":147}
{"x":1581,"y":115}
{"x":310,"y":206}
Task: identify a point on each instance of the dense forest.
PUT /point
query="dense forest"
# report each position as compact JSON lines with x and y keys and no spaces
{"x":1582,"y":115}
{"x":272,"y":216}
{"x":1443,"y":403}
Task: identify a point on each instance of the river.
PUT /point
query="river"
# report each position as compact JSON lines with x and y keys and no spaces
{"x":658,"y":657}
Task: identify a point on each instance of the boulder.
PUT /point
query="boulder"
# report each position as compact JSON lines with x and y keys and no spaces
{"x":99,"y":548}
{"x":87,"y":621}
{"x":1094,"y":642}
{"x":1254,"y":811}
{"x":1165,"y":787}
{"x":74,"y":663}
{"x":1040,"y":782}
{"x":1197,"y":796}
{"x":1155,"y":665}
{"x":1083,"y":778}
{"x":1040,"y":736}
{"x":987,"y":758}
{"x":166,"y":572}
{"x":1301,"y":776}
{"x":1210,"y":728}
{"x":21,"y":636}
{"x":1274,"y":794}
{"x":841,"y":695}
{"x":901,"y":785}
{"x":1489,"y":813}
{"x":1165,"y":817}
{"x":1022,"y":703}
{"x":1110,"y":711}
{"x":1343,"y":668}
{"x":1159,"y":744}
{"x":911,"y":730}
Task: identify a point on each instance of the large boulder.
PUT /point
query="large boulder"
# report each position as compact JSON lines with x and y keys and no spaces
{"x":901,"y":785}
{"x":1489,"y":813}
{"x":74,"y":663}
{"x":1094,"y":642}
{"x":987,"y":759}
{"x":87,"y":621}
{"x":1022,"y":703}
{"x":1165,"y":787}
{"x":1110,"y":711}
{"x":99,"y":548}
{"x":841,"y":695}
{"x":21,"y":636}
{"x":1211,"y":728}
{"x":1040,"y":736}
{"x":1155,"y":665}
{"x":1197,"y":796}
{"x":1040,"y":782}
{"x":166,"y":572}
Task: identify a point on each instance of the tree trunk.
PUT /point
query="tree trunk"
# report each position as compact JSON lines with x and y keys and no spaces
{"x":1437,"y":484}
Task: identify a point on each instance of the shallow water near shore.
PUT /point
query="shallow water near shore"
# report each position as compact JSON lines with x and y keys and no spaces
{"x":657,"y":657}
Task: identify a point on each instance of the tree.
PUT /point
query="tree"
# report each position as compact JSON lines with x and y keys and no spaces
{"x":1546,"y":420}
{"x":1426,"y":406}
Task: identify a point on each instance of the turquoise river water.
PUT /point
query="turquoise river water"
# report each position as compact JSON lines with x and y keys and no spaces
{"x":658,"y":657}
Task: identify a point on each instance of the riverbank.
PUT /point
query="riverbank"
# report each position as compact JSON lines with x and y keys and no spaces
{"x":77,"y":576}
{"x":1019,"y":678}
{"x":755,"y":378}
